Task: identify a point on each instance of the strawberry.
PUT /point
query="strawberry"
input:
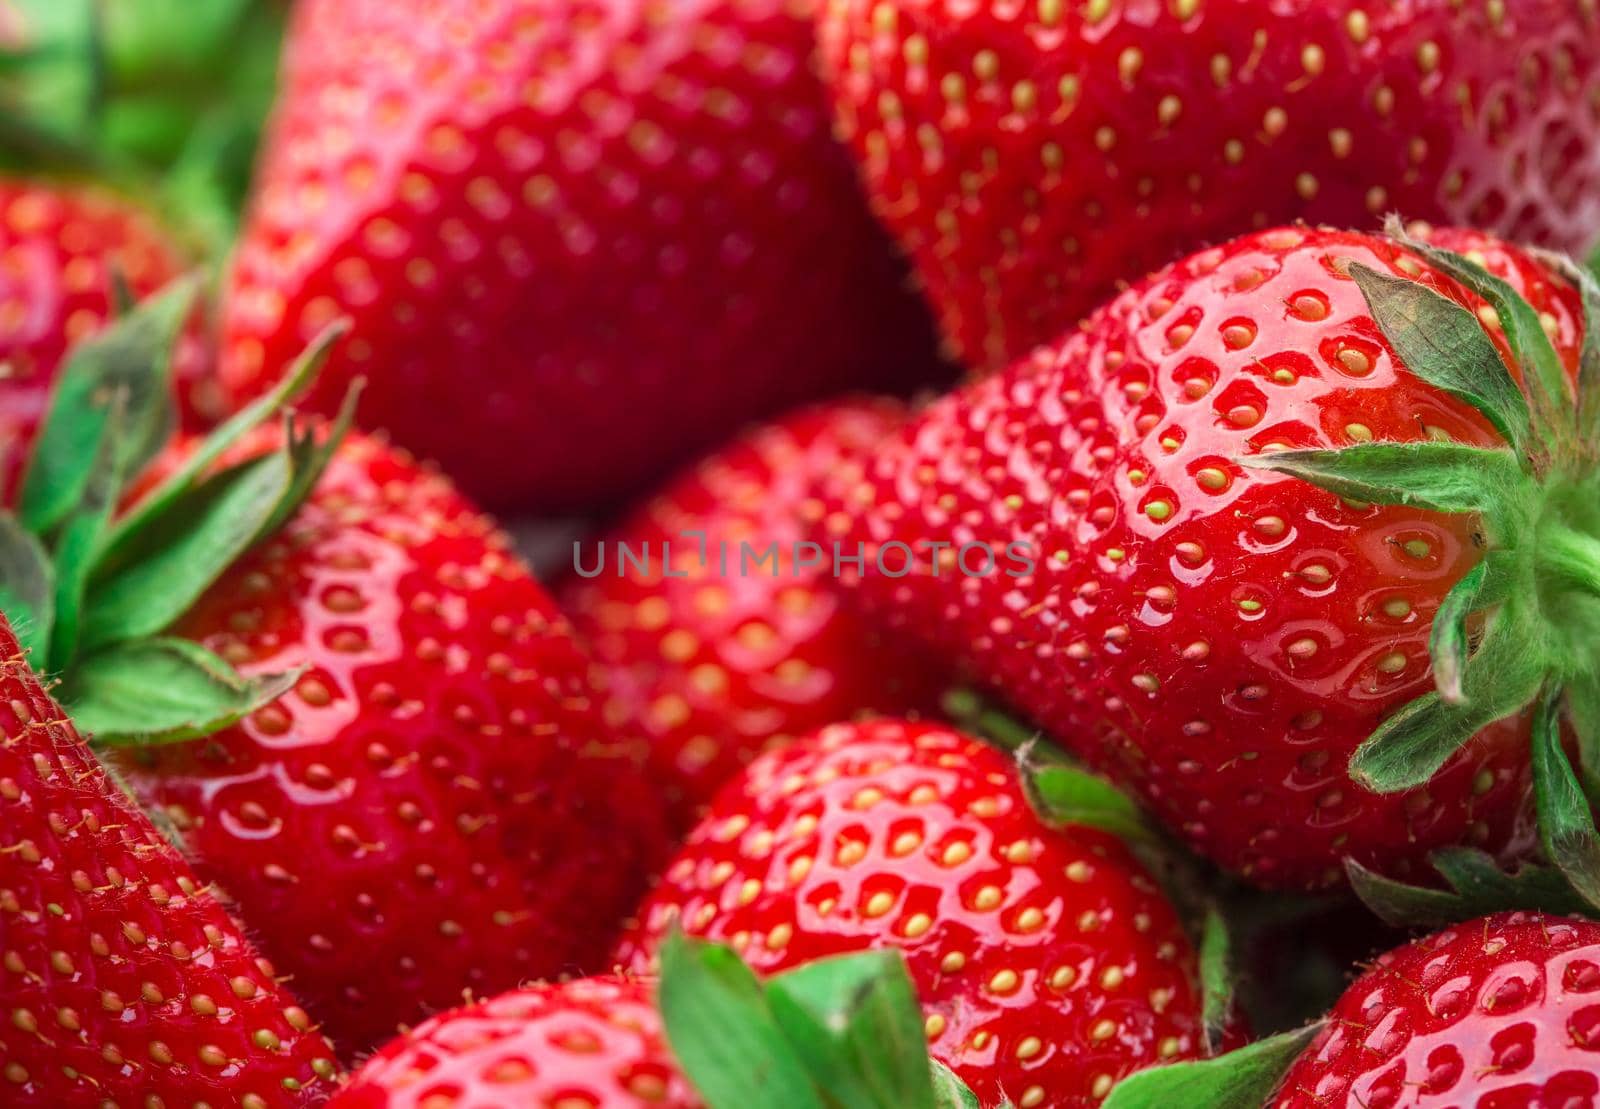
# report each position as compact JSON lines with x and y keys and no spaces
{"x":843,"y":1031}
{"x":594,"y":1042}
{"x":730,"y":649}
{"x":1502,"y":1012}
{"x":1030,"y":156}
{"x":436,"y":805}
{"x":123,"y":980}
{"x":59,"y":249}
{"x":1498,"y":1011}
{"x":1223,"y":637}
{"x":1047,"y":961}
{"x":578,"y":238}
{"x":373,"y":724}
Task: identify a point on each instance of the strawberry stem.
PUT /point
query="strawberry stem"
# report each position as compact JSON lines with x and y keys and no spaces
{"x":1570,"y":557}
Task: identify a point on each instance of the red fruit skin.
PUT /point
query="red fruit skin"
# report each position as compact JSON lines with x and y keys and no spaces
{"x":1048,"y":962}
{"x":123,"y":980}
{"x":1498,"y":1013}
{"x":58,"y":247}
{"x":578,"y":240}
{"x":436,"y":806}
{"x":594,"y":1042}
{"x":1024,"y":201}
{"x":715,"y":665}
{"x":1140,"y":646}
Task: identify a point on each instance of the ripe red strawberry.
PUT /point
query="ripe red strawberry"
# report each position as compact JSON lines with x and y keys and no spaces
{"x":1499,"y":1012}
{"x":1503,"y":1011}
{"x":122,"y":979}
{"x":1224,"y":638}
{"x":1029,"y":156}
{"x":731,"y":650}
{"x":59,"y":246}
{"x":594,"y":1042}
{"x":1048,"y":963}
{"x":578,"y":239}
{"x":436,"y":805}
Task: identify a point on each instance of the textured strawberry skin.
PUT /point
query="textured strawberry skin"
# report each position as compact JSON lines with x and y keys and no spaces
{"x":592,"y":1042}
{"x":1031,"y":156}
{"x":737,"y":656}
{"x":1218,"y":638}
{"x":1501,"y":1013}
{"x":58,"y":247}
{"x":1047,"y":961}
{"x":531,"y":208}
{"x":436,"y":806}
{"x":123,"y":980}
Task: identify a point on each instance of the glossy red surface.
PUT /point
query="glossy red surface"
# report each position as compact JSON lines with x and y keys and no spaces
{"x":579,"y":239}
{"x":123,"y":978}
{"x":717,"y":658}
{"x":1219,"y":638}
{"x":1047,"y":961}
{"x":594,"y":1043}
{"x":1497,"y":1013}
{"x":436,"y":805}
{"x":1031,"y":156}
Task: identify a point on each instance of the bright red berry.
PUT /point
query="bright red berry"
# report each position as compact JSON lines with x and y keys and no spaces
{"x":59,"y":246}
{"x":744,"y":641}
{"x":592,"y":1042}
{"x":435,"y":806}
{"x":1030,"y":156}
{"x":1499,"y":1012}
{"x":578,"y":239}
{"x":1047,"y":961}
{"x":123,"y":980}
{"x":1219,"y":637}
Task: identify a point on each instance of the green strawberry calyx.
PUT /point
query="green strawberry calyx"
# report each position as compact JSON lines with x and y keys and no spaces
{"x":1520,"y":631}
{"x":91,"y":582}
{"x":844,"y":1031}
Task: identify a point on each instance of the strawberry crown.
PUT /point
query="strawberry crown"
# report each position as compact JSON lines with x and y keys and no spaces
{"x":845,"y":1031}
{"x":90,"y":584}
{"x":1534,"y":598}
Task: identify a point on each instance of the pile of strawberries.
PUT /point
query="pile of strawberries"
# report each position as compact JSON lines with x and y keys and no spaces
{"x":1089,"y":522}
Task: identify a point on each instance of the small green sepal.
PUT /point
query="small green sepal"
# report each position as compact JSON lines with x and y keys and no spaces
{"x":1476,"y":886}
{"x":1566,"y":822}
{"x":844,"y":1031}
{"x":163,"y":691}
{"x":1443,"y":344}
{"x":1242,"y":1079}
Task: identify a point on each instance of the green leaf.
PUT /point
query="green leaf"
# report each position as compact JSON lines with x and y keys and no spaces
{"x":162,"y":691}
{"x":1443,"y":344}
{"x":161,"y":570}
{"x":1443,"y":477}
{"x":1503,"y":677}
{"x":723,"y":1033}
{"x":1485,"y":585}
{"x":130,"y":359}
{"x":309,"y":455}
{"x":1583,"y":709}
{"x":27,"y":587}
{"x":79,"y":538}
{"x":1545,"y":377}
{"x":1477,"y":887}
{"x":1566,"y":823}
{"x":1216,"y":977}
{"x":1063,"y":794}
{"x":184,"y":479}
{"x":1241,"y":1079}
{"x":855,"y":1023}
{"x":949,"y":1092}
